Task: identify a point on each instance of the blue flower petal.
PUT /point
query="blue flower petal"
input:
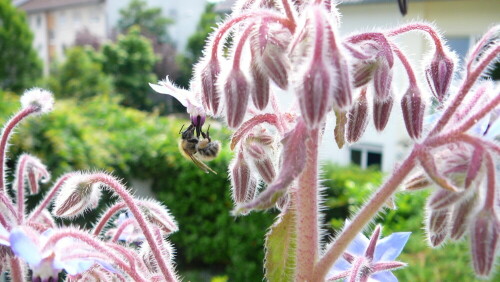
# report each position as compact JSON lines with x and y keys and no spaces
{"x":390,"y":247}
{"x":76,"y":266}
{"x":24,"y":248}
{"x":340,"y":265}
{"x":384,"y":276}
{"x":358,"y":245}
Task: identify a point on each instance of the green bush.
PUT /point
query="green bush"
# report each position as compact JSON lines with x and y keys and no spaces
{"x":99,"y":134}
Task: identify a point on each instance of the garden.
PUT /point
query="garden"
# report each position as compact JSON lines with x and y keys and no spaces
{"x":75,"y":141}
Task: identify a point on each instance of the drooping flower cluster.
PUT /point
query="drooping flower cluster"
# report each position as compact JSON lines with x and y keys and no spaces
{"x":134,"y":247}
{"x":284,"y":50}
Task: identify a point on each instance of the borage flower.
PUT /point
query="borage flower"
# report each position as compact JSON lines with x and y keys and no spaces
{"x":370,"y":259}
{"x":46,"y":263}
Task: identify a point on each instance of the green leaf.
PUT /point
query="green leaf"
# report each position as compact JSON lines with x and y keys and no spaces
{"x":281,"y":245}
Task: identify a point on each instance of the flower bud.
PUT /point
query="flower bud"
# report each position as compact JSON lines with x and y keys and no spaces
{"x":339,"y":131}
{"x":269,"y":43}
{"x":78,"y":194}
{"x":363,"y":72}
{"x":342,"y":93}
{"x":382,"y":111}
{"x":484,"y":241}
{"x":460,"y":218}
{"x":39,"y":98}
{"x":261,"y":160}
{"x":358,"y":118}
{"x":474,"y":166}
{"x":438,"y":226}
{"x":260,"y":89}
{"x":417,"y":182}
{"x":439,"y":74}
{"x":159,"y":215}
{"x":34,"y":170}
{"x":442,"y":198}
{"x":382,"y":79}
{"x":210,"y":92}
{"x":243,"y":185}
{"x":413,"y":112}
{"x":236,"y":92}
{"x":314,"y":94}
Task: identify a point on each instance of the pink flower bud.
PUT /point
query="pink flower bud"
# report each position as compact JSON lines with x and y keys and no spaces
{"x":438,"y":226}
{"x":382,"y":111}
{"x":243,"y":185}
{"x":382,"y":79}
{"x":475,"y":165}
{"x":413,"y":108}
{"x":363,"y":72}
{"x":314,"y":94}
{"x":261,"y":160}
{"x":269,"y":43}
{"x":342,"y":93}
{"x":429,"y":165}
{"x":260,"y":89}
{"x":158,"y":215}
{"x":460,"y":218}
{"x":339,"y":131}
{"x":236,"y":92}
{"x":358,"y":118}
{"x":442,"y":198}
{"x":416,"y":183}
{"x":78,"y":194}
{"x":210,"y":93}
{"x":484,"y":241}
{"x":439,"y":74}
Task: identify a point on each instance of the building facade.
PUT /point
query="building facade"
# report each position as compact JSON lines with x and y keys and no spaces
{"x":55,"y":24}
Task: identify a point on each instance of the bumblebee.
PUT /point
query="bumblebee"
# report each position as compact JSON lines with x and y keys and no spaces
{"x":199,"y":149}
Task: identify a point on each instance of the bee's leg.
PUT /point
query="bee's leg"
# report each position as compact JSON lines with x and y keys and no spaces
{"x":198,"y":126}
{"x":208,"y":134}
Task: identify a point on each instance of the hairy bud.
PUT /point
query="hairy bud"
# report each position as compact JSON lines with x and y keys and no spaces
{"x":382,"y":79}
{"x":484,"y":241}
{"x":413,"y":107}
{"x":78,"y":194}
{"x":260,"y":88}
{"x":382,"y":111}
{"x":314,"y":93}
{"x":460,"y":218}
{"x":39,"y":98}
{"x":438,"y":226}
{"x":358,"y":118}
{"x":339,"y":131}
{"x":439,"y":74}
{"x":261,"y":160}
{"x":242,"y":183}
{"x":236,"y":92}
{"x":210,"y":92}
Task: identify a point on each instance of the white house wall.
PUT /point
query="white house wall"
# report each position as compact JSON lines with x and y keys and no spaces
{"x":454,"y":18}
{"x":38,"y":26}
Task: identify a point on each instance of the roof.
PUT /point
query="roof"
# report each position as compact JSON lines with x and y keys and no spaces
{"x":43,"y":5}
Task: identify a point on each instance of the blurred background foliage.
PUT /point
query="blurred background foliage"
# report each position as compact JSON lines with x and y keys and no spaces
{"x":99,"y":134}
{"x":98,"y":125}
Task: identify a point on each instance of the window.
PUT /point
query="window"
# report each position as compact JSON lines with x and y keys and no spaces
{"x":62,"y":18}
{"x":94,"y":15}
{"x":366,"y":156}
{"x":38,"y":21}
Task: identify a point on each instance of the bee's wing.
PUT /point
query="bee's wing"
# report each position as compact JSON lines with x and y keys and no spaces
{"x":201,"y":165}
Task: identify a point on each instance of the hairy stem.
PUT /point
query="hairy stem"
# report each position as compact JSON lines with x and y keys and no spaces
{"x":118,"y":188}
{"x":20,"y":189}
{"x":307,"y":212}
{"x":107,"y":216}
{"x":48,"y":198}
{"x":365,"y":215}
{"x":4,"y":139}
{"x":16,"y":270}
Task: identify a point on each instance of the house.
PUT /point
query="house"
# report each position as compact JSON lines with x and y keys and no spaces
{"x":55,"y":24}
{"x":185,"y":15}
{"x":462,"y":22}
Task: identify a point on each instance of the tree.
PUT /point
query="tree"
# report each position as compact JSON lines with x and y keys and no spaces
{"x":20,"y":65}
{"x":196,"y":43}
{"x":130,"y":61}
{"x":80,"y":76}
{"x":151,"y":21}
